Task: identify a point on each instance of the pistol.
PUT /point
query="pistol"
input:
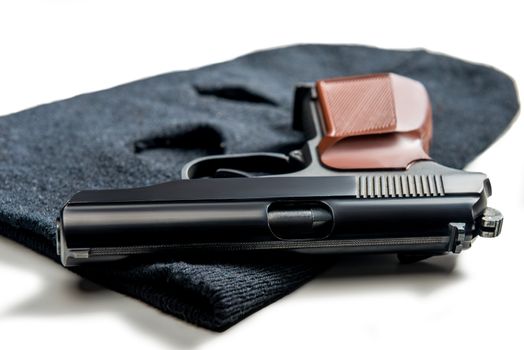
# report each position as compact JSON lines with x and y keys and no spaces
{"x":363,"y":182}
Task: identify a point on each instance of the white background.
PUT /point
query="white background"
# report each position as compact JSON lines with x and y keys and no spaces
{"x":51,"y":50}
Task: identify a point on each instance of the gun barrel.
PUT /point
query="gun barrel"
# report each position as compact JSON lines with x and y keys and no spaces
{"x":103,"y":231}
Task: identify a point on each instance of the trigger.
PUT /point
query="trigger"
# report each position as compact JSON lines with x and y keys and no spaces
{"x":226,"y":173}
{"x":241,"y":165}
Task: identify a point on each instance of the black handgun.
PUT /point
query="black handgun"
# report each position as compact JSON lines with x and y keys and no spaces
{"x":363,"y":182}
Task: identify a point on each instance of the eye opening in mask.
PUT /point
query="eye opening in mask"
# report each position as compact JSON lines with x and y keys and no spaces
{"x":234,"y":93}
{"x":204,"y":138}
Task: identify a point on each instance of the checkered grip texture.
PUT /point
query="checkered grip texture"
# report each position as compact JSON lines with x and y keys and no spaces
{"x":357,"y":106}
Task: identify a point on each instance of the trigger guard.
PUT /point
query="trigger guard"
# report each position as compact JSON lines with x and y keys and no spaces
{"x":263,"y":162}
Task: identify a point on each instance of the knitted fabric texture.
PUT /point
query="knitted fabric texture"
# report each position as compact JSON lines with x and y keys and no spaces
{"x":143,"y":132}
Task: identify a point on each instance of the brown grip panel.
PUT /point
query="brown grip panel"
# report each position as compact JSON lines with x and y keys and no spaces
{"x":374,"y":122}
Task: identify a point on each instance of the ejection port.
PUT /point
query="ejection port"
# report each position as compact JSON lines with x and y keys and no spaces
{"x":290,"y":220}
